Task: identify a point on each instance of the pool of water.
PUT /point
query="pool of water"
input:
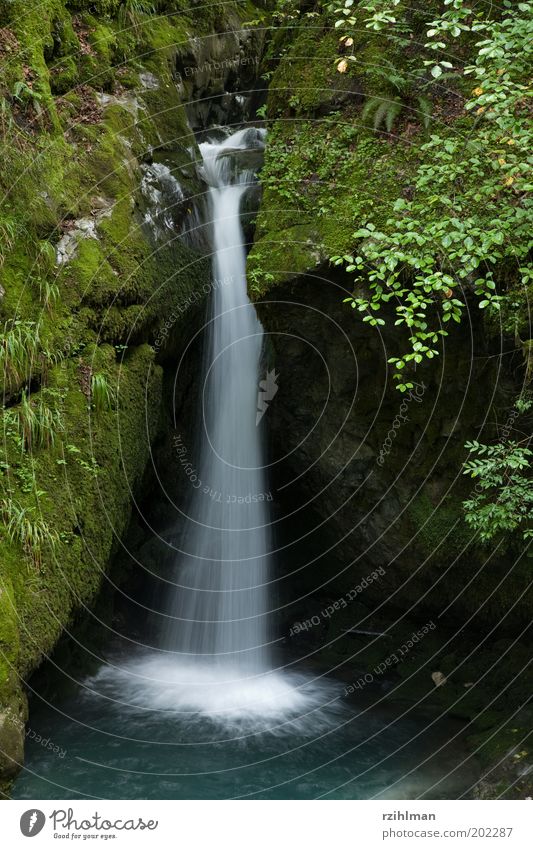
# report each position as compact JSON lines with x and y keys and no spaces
{"x":122,"y":733}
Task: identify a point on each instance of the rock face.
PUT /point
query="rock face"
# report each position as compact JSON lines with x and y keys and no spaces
{"x":382,"y":470}
{"x":105,"y":182}
{"x":218,"y":74}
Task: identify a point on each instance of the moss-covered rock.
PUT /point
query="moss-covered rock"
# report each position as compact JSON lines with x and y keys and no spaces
{"x":382,"y":471}
{"x":94,"y":296}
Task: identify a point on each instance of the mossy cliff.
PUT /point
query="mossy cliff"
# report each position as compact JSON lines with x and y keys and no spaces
{"x":381,"y":470}
{"x":96,"y":288}
{"x":385,"y":470}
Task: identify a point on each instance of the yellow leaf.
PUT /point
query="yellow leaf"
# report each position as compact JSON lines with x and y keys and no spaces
{"x":511,"y":141}
{"x":342,"y":67}
{"x":509,"y":181}
{"x":477,"y":91}
{"x":501,"y":161}
{"x":480,"y":110}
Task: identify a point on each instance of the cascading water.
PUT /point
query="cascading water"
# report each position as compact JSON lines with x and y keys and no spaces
{"x":216,"y":658}
{"x":221,"y":601}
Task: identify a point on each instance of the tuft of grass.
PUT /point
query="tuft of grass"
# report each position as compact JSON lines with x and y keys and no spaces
{"x":8,"y":231}
{"x":25,"y":528}
{"x":18,"y":342}
{"x":38,"y":423}
{"x":48,"y":294}
{"x":101,"y":393}
{"x":130,"y":12}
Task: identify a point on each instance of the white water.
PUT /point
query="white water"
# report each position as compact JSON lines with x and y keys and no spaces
{"x":216,"y":659}
{"x":221,"y":603}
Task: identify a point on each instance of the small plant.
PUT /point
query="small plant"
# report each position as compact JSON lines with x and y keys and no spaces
{"x":90,"y":465}
{"x":503,"y":500}
{"x":18,"y":342}
{"x":101,"y":393}
{"x":48,"y":293}
{"x":130,"y":12}
{"x":39,"y":423}
{"x":26,"y":96}
{"x":385,"y":111}
{"x":8,"y":233}
{"x":25,"y":528}
{"x":405,"y":94}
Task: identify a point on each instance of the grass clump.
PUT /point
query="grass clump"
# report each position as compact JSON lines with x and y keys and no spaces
{"x":25,"y":528}
{"x":18,"y":342}
{"x":101,"y":392}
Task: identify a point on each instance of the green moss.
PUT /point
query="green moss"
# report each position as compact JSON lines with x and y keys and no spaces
{"x":307,"y":81}
{"x":9,"y":636}
{"x":325,"y":169}
{"x":59,"y":162}
{"x":64,"y":76}
{"x":86,"y":482}
{"x":435,"y":523}
{"x":322,"y":178}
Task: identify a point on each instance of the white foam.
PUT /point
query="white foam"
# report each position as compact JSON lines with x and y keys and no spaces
{"x":270,"y":701}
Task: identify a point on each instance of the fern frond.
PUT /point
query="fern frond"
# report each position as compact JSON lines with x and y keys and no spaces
{"x":393,"y":111}
{"x":425,"y":108}
{"x":386,"y":113}
{"x":369,"y":108}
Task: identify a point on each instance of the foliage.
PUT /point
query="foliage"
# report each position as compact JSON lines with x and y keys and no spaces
{"x":503,"y":498}
{"x":26,"y":96}
{"x":90,"y":465}
{"x":130,"y":12}
{"x":101,"y":393}
{"x":38,"y":422}
{"x":471,"y":200}
{"x":18,"y":343}
{"x":48,"y":293}
{"x":24,"y":527}
{"x":8,"y":232}
{"x":407,"y":92}
{"x":324,"y":146}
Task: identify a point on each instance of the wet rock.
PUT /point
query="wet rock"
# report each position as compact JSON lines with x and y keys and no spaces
{"x":82,"y":228}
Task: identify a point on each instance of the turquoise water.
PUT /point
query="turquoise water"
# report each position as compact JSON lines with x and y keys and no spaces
{"x":94,"y":745}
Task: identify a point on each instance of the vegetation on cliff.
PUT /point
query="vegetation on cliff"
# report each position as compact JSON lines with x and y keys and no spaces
{"x":90,"y":95}
{"x":400,"y":146}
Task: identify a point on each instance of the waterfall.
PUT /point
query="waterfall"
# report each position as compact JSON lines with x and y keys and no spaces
{"x":215,"y":660}
{"x":221,"y":600}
